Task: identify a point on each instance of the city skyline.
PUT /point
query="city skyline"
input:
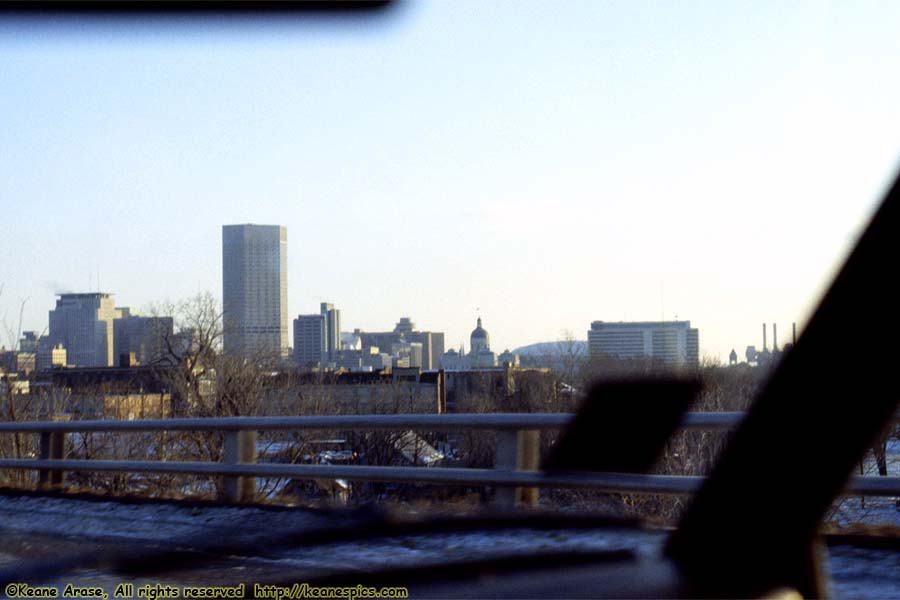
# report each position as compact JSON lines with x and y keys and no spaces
{"x":581,"y":335}
{"x":709,"y":162}
{"x":330,"y":322}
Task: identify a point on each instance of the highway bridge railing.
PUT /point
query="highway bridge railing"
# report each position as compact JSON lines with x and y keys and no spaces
{"x":516,"y":474}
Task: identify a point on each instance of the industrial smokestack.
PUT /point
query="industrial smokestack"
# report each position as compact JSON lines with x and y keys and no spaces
{"x":764,"y":336}
{"x":774,"y":337}
{"x":794,"y":336}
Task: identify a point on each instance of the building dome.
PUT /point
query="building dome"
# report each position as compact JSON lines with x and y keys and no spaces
{"x":479,"y":331}
{"x":479,"y":340}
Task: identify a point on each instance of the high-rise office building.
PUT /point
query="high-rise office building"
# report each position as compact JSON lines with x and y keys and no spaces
{"x":254,"y":290}
{"x":673,"y":342}
{"x":83,"y":325}
{"x":309,"y":341}
{"x":148,"y":338}
{"x":332,"y":330}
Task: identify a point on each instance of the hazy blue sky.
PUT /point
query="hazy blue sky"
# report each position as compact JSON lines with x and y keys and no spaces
{"x":545,"y":164}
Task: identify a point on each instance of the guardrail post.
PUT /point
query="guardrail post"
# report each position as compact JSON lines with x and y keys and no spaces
{"x":240,"y":448}
{"x":52,"y":445}
{"x":517,"y":450}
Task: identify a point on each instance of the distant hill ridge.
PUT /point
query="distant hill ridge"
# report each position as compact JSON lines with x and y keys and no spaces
{"x":559,"y":348}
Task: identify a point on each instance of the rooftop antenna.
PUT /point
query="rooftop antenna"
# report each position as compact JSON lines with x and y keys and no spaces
{"x":662,"y":305}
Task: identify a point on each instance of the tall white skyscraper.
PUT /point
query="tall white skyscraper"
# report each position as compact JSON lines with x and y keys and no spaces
{"x":254,"y":290}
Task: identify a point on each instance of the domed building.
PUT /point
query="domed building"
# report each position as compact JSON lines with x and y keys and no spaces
{"x":479,"y":340}
{"x":480,"y":355}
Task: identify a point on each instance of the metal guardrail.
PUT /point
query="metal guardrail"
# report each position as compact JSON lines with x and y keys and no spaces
{"x":442,"y":422}
{"x":515,"y":473}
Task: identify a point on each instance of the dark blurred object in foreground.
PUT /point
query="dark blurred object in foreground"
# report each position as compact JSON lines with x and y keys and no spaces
{"x":622,"y":426}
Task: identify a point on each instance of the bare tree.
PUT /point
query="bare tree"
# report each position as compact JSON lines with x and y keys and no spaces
{"x":572,"y":358}
{"x":12,"y":407}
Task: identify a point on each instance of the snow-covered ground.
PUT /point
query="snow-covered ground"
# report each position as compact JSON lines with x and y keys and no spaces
{"x":864,"y":573}
{"x":872,"y":510}
{"x":35,"y":527}
{"x":144,"y":521}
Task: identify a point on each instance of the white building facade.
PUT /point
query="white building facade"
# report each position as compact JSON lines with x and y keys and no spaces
{"x":675,"y":343}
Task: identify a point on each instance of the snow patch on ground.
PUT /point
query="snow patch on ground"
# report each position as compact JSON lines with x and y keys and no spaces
{"x":864,"y":573}
{"x":145,"y":521}
{"x":872,"y":510}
